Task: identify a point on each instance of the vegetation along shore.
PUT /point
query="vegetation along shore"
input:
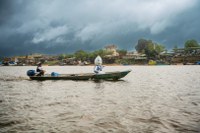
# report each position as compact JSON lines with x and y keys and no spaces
{"x":146,"y":52}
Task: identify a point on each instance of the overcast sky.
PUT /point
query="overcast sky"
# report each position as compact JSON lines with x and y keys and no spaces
{"x":65,"y":26}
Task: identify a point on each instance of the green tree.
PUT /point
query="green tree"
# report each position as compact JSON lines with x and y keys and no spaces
{"x":191,"y":43}
{"x":94,"y":54}
{"x":122,"y":52}
{"x":62,"y":56}
{"x":101,"y":53}
{"x":159,"y":48}
{"x":175,"y":48}
{"x":1,"y":58}
{"x":81,"y":55}
{"x":150,"y":48}
{"x":69,"y":55}
{"x":142,"y":45}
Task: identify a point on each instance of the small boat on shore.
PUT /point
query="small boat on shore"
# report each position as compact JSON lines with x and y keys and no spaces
{"x":84,"y":76}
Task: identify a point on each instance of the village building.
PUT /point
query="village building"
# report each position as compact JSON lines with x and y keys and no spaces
{"x":135,"y":55}
{"x":186,"y":55}
{"x":113,"y":49}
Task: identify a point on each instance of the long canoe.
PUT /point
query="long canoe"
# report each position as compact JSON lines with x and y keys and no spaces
{"x":84,"y":76}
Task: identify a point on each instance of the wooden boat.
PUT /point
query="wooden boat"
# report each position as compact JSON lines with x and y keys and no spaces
{"x":84,"y":76}
{"x":111,"y":75}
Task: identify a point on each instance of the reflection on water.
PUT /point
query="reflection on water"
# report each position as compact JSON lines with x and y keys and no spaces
{"x":149,"y":99}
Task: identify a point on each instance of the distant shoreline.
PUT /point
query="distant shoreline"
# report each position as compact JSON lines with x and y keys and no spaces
{"x":178,"y":64}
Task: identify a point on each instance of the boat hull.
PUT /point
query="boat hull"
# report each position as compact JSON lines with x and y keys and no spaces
{"x":62,"y":77}
{"x":84,"y":76}
{"x":110,"y":75}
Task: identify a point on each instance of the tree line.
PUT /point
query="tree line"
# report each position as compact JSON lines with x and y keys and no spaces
{"x":151,"y":49}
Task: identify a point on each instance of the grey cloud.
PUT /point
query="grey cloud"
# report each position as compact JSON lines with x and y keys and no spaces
{"x":60,"y":26}
{"x":50,"y":34}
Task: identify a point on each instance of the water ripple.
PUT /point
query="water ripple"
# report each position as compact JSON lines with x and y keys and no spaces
{"x":150,"y":99}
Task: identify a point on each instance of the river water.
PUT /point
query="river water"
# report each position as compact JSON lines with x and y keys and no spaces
{"x":150,"y":99}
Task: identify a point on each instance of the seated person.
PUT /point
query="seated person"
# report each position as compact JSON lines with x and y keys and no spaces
{"x":40,"y":70}
{"x":98,"y":69}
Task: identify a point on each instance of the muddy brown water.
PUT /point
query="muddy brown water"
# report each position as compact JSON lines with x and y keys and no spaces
{"x":149,"y":99}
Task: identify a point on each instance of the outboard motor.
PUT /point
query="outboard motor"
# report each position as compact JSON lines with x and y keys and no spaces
{"x":30,"y":73}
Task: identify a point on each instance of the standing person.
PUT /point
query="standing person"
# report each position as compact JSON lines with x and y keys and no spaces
{"x":98,"y":65}
{"x":40,"y":70}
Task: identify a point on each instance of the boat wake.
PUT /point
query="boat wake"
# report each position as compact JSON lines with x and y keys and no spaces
{"x":13,"y":78}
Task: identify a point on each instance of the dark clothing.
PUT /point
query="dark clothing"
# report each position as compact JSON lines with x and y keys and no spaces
{"x":40,"y":71}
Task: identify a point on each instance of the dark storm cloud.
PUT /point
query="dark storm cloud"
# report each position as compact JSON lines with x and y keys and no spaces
{"x":184,"y":27}
{"x":5,"y":11}
{"x":60,"y":26}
